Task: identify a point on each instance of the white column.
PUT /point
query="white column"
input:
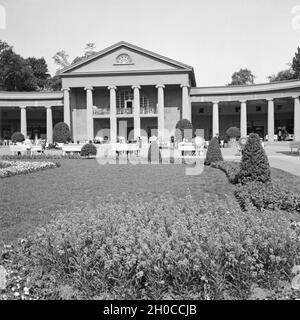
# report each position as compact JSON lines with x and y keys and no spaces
{"x":186,"y":106}
{"x":49,"y":124}
{"x":270,"y":120}
{"x":67,"y":112}
{"x":296,"y":119}
{"x":215,"y":124}
{"x":23,"y":121}
{"x":136,"y":111}
{"x":113,"y":113}
{"x":89,"y":114}
{"x":161,"y":112}
{"x":243,"y":119}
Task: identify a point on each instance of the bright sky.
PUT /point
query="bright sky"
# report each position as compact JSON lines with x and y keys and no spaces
{"x":216,"y":37}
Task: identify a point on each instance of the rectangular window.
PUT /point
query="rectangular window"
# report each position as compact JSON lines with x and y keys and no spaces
{"x":258,"y":109}
{"x":237,"y":109}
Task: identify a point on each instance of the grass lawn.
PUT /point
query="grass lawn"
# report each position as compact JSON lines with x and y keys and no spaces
{"x":31,"y":200}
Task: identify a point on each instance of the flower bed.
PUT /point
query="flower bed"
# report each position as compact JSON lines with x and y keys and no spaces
{"x":129,"y":249}
{"x":21,"y":167}
{"x":53,"y":156}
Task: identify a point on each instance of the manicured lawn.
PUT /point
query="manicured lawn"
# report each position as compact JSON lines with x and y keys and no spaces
{"x":31,"y":200}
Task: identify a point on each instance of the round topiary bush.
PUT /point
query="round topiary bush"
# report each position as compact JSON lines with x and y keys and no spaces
{"x":61,"y":133}
{"x":88,"y":150}
{"x":17,"y":137}
{"x":181,"y":126}
{"x":214,"y":153}
{"x":154,"y":155}
{"x":254,"y":165}
{"x":233,"y":132}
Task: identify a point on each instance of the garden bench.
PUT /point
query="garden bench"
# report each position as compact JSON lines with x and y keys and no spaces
{"x":15,"y":149}
{"x":186,"y":147}
{"x":71,"y":148}
{"x":295,"y":145}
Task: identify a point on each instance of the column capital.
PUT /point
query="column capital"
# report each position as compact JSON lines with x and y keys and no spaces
{"x":243,"y":101}
{"x":295,"y":97}
{"x":270,"y":99}
{"x":185,"y":86}
{"x":22,"y":107}
{"x":89,"y":88}
{"x":215,"y":102}
{"x":136,"y":87}
{"x":160,"y":86}
{"x":48,"y":107}
{"x":112,"y":88}
{"x":66,"y":89}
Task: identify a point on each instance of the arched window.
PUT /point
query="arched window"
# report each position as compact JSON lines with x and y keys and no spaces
{"x":123,"y":58}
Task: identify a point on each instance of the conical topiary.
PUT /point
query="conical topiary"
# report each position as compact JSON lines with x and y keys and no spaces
{"x":254,"y":165}
{"x":214,"y":153}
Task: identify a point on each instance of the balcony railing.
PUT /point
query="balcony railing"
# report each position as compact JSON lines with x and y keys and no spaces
{"x":124,"y":110}
{"x":100,"y":111}
{"x":148,"y":110}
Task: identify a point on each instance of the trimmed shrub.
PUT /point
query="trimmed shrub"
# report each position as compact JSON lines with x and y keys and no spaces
{"x":214,"y":153}
{"x":88,"y":150}
{"x":182,"y":125}
{"x":154,"y":155}
{"x":61,"y":133}
{"x":231,"y":169}
{"x":254,"y":165}
{"x":17,"y":137}
{"x":233,"y":132}
{"x":127,"y":248}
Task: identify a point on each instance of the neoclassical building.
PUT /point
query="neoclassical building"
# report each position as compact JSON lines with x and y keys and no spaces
{"x":146,"y":91}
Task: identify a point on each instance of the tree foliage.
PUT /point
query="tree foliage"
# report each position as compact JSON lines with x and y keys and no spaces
{"x":214,"y":153}
{"x":61,"y":133}
{"x":242,"y":77}
{"x":19,"y":74}
{"x":254,"y":165}
{"x":283,"y":75}
{"x":296,"y":64}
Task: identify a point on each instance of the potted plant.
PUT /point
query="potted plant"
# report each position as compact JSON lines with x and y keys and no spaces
{"x":232,"y":133}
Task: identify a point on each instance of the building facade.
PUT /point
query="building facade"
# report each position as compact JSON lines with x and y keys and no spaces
{"x":127,"y":90}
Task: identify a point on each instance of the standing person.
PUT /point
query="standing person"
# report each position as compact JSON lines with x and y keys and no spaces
{"x":218,"y":138}
{"x":279,"y":135}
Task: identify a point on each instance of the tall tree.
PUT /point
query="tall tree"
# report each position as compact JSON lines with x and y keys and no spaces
{"x":40,"y":71}
{"x":61,"y":59}
{"x":296,"y":64}
{"x":282,"y":76}
{"x":15,"y":73}
{"x":242,"y":77}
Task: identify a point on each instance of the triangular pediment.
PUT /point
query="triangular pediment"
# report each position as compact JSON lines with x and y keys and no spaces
{"x":124,"y":57}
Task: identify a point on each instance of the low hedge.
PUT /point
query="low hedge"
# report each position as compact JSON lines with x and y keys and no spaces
{"x":162,"y":249}
{"x":230,"y":168}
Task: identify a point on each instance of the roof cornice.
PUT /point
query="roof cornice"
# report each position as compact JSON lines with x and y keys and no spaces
{"x":129,"y":46}
{"x":256,"y":88}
